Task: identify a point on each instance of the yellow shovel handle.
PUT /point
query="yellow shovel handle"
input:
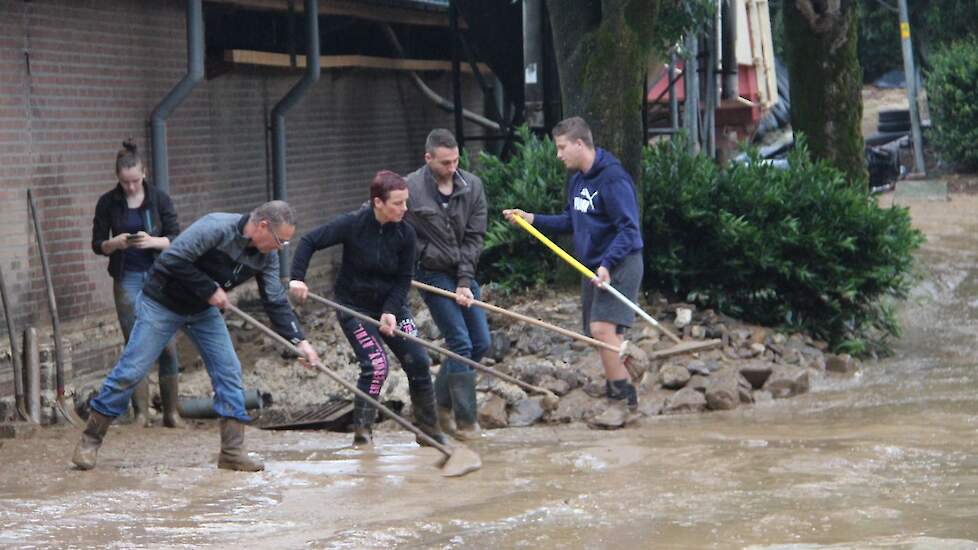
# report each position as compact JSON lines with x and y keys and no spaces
{"x":550,"y":244}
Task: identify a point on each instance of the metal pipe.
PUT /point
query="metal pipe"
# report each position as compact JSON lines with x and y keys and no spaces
{"x":710,"y":85}
{"x":456,"y":74}
{"x":910,"y":75}
{"x":691,"y":108}
{"x":673,"y":96}
{"x":14,"y":352}
{"x":195,"y":74}
{"x":431,"y":94}
{"x":731,"y":86}
{"x":203,"y":407}
{"x":279,"y":173}
{"x":32,"y":364}
{"x":533,"y":62}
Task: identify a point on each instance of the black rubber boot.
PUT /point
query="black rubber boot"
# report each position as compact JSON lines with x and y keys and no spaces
{"x":363,"y":422}
{"x":462,"y":388}
{"x":86,"y":453}
{"x":623,"y":390}
{"x":425,"y":417}
{"x":169,"y":398}
{"x":233,"y":454}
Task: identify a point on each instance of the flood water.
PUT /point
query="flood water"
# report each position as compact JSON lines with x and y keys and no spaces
{"x":886,"y":459}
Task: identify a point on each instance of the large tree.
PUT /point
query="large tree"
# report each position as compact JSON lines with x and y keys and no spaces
{"x":826,"y":105}
{"x":602,"y":49}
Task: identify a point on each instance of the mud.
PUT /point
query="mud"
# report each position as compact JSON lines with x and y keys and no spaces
{"x":886,"y":459}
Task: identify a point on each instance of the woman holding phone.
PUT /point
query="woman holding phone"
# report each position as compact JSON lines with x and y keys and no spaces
{"x":133,"y":223}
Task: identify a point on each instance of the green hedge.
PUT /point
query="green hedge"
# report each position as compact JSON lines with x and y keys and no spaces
{"x":799,"y":248}
{"x":952,"y":93}
{"x":532,"y":179}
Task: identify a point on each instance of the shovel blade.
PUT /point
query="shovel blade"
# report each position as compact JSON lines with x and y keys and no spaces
{"x":462,"y":461}
{"x":69,"y":414}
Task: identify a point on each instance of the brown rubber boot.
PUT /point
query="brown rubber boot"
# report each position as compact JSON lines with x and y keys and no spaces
{"x":169,"y":397}
{"x":233,"y":454}
{"x":140,"y":404}
{"x":86,"y":453}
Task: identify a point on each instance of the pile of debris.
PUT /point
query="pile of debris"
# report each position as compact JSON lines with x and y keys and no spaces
{"x":754,"y":364}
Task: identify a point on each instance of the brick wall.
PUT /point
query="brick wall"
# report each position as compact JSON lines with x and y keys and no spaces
{"x":92,"y":73}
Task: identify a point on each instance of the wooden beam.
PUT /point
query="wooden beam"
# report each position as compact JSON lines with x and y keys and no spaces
{"x":270,"y":59}
{"x":385,"y":14}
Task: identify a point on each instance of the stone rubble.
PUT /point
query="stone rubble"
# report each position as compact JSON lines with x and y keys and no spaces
{"x":754,"y":365}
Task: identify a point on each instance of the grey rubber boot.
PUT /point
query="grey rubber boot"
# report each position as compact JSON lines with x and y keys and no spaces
{"x":363,"y":422}
{"x":86,"y":452}
{"x":233,"y":454}
{"x":169,"y":398}
{"x":140,"y":404}
{"x":462,"y":388}
{"x":425,"y":417}
{"x":443,"y":400}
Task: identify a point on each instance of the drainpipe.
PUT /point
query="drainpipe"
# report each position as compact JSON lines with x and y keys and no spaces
{"x":729,"y":48}
{"x":280,"y":189}
{"x":194,"y":76}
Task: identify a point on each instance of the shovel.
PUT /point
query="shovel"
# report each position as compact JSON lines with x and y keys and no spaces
{"x":550,"y":399}
{"x":686,"y":346}
{"x":459,"y":460}
{"x":66,"y":410}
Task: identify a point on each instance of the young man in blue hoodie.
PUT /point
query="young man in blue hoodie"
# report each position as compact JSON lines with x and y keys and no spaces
{"x":602,"y":214}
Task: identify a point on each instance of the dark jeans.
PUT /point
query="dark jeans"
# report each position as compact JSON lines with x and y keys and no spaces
{"x":126,"y":290}
{"x":366,"y":341}
{"x":465,"y":329}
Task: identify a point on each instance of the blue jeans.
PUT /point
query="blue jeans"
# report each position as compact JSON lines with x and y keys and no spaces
{"x":155,"y":326}
{"x":126,"y":291}
{"x":465,"y":329}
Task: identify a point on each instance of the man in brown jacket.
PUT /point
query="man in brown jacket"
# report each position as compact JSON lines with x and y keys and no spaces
{"x":447,"y":208}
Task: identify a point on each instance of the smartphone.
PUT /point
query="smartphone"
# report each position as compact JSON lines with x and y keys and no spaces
{"x":132,"y":237}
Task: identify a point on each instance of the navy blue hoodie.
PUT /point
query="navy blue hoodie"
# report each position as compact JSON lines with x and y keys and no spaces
{"x":602,"y":212}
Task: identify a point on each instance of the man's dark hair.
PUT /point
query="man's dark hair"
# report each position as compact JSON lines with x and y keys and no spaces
{"x":275,"y":212}
{"x":383,"y":183}
{"x":440,"y":137}
{"x":574,"y":128}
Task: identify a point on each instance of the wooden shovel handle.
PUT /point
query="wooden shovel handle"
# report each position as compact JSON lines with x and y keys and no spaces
{"x":526,"y":319}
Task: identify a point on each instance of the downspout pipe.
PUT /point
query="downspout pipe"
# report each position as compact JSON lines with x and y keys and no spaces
{"x":194,"y":76}
{"x":279,"y":177}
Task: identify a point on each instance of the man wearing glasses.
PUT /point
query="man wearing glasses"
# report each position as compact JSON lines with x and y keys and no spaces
{"x":186,"y":289}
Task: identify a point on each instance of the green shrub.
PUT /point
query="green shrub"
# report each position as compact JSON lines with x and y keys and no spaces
{"x":532,"y":179}
{"x":799,"y":248}
{"x":952,"y":91}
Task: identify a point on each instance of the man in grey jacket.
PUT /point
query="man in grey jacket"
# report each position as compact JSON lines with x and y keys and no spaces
{"x":185,"y":289}
{"x":447,"y":207}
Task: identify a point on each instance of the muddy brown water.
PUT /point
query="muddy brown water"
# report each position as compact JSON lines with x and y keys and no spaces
{"x":887,"y":459}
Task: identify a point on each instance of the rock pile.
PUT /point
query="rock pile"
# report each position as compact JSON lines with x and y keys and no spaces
{"x":754,"y":364}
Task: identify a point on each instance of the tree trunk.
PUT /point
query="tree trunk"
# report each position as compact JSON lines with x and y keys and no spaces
{"x":826,"y":105}
{"x":601,"y":49}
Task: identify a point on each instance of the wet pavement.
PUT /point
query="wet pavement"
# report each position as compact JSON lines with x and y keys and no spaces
{"x":886,"y":459}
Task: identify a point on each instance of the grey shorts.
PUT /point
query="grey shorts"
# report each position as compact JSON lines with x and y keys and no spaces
{"x":600,"y":305}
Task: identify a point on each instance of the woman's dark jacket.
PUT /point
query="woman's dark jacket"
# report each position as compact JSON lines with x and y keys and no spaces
{"x":110,"y":213}
{"x":378,"y":260}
